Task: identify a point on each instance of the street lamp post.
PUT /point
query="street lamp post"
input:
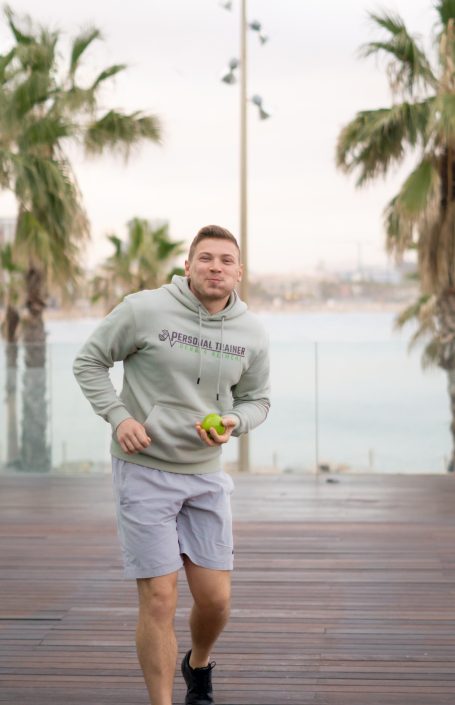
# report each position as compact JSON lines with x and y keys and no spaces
{"x":244,"y":444}
{"x":243,"y":155}
{"x":229,"y":78}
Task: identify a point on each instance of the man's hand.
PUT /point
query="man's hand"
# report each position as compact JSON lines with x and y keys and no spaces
{"x":212,"y":438}
{"x":132,"y":436}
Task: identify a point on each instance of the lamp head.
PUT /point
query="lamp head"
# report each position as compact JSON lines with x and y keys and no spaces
{"x":257,"y":100}
{"x":229,"y":77}
{"x":255,"y":25}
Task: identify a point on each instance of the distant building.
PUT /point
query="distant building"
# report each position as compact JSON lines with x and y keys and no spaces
{"x":396,"y":274}
{"x":7,"y":230}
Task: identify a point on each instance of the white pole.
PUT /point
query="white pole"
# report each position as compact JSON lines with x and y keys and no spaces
{"x":316,"y":406}
{"x":243,"y":151}
{"x":244,"y":455}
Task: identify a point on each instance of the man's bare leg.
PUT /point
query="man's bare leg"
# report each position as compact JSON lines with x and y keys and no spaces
{"x":211,"y":591}
{"x":155,"y":637}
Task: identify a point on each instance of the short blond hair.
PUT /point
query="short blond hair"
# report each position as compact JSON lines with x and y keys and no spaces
{"x":214,"y":232}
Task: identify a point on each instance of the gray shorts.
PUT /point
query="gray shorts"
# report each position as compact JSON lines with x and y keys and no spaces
{"x":161,"y":515}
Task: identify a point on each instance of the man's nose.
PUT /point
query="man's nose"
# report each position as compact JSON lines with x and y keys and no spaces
{"x":216,"y":266}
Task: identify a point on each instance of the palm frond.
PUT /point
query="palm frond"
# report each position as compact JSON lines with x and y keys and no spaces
{"x":169,"y":249}
{"x":446,"y":10}
{"x":399,"y":229}
{"x":79,"y":46}
{"x":138,"y":231}
{"x":44,"y":51}
{"x":47,"y":130}
{"x":409,"y":65}
{"x":107,"y":73}
{"x":431,"y":354}
{"x":118,"y":245}
{"x":5,"y":61}
{"x":75,"y":100}
{"x":392,"y":23}
{"x":20,"y":37}
{"x":375,"y":139}
{"x":179,"y":271}
{"x":423,"y":313}
{"x":32,"y":239}
{"x":120,"y":132}
{"x":7,"y":259}
{"x":420,"y":335}
{"x":40,"y":55}
{"x":419,"y":189}
{"x":414,"y":311}
{"x":443,"y":116}
{"x":6,"y":168}
{"x":28,"y":94}
{"x":51,"y":225}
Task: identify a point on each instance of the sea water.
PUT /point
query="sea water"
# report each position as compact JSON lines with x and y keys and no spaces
{"x":346,"y":395}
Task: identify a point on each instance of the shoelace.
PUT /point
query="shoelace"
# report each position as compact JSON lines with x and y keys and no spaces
{"x":202,"y":678}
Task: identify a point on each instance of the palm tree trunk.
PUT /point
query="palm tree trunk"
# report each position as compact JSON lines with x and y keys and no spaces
{"x":445,"y":314}
{"x":12,"y":444}
{"x":35,"y":448}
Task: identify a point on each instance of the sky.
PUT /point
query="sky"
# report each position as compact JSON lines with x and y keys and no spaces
{"x":303,"y":212}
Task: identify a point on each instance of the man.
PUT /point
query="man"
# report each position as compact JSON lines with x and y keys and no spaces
{"x":188,"y":348}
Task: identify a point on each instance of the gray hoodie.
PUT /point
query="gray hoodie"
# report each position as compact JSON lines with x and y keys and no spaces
{"x":180,"y":363}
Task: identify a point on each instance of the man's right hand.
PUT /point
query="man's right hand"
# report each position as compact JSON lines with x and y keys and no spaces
{"x":132,"y":436}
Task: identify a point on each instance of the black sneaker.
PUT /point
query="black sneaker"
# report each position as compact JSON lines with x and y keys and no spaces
{"x":199,"y":682}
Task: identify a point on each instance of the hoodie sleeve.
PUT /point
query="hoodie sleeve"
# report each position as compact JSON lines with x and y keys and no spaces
{"x":114,"y":339}
{"x":252,"y":394}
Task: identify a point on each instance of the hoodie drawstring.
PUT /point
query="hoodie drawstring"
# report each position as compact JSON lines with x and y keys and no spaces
{"x":220,"y":363}
{"x":200,"y":346}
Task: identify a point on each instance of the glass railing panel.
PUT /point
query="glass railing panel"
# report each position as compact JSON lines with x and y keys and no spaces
{"x":347,"y":406}
{"x":378,"y":411}
{"x":80,"y":438}
{"x":286,"y":441}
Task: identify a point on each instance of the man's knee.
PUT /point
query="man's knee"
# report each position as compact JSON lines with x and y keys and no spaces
{"x":158,"y":596}
{"x":217,"y":601}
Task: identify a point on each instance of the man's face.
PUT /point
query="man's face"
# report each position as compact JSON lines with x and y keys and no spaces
{"x":214,"y":270}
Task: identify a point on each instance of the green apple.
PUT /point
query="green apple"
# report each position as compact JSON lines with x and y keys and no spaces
{"x":213,"y":421}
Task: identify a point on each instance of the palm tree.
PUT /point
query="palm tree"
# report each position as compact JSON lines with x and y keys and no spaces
{"x":420,"y":121}
{"x":43,"y":108}
{"x":144,"y":261}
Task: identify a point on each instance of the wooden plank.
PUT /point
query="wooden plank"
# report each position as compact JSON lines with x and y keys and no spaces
{"x":342,"y":594}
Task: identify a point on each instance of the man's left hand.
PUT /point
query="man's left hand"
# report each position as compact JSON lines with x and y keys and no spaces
{"x":212,"y":438}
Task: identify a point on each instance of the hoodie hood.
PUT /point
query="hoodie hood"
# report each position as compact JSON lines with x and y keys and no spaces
{"x":180,"y":290}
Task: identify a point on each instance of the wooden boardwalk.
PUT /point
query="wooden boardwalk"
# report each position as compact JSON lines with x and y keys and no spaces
{"x":344,"y":594}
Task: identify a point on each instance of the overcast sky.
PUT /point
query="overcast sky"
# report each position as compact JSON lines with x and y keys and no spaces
{"x":302,"y":211}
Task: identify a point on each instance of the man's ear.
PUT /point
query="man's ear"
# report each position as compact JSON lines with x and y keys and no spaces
{"x":240,"y":274}
{"x":187,"y":268}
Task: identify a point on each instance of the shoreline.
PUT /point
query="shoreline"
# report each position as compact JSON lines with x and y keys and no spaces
{"x":329,"y":307}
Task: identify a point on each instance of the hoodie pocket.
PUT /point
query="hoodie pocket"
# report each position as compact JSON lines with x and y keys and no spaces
{"x":174,"y":437}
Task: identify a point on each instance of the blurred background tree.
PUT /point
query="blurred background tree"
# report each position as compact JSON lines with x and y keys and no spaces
{"x":421,"y":217}
{"x":44,"y":108}
{"x":145,"y":261}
